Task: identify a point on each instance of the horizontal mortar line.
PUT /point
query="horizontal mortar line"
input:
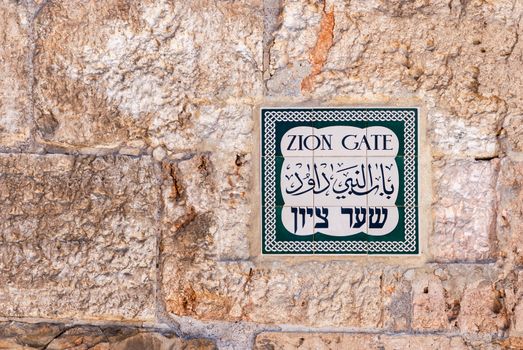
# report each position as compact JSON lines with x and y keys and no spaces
{"x":86,"y":322}
{"x":176,"y":155}
{"x":68,"y":241}
{"x":290,"y":328}
{"x":286,"y":328}
{"x":93,"y":151}
{"x":261,"y":328}
{"x":491,"y":261}
{"x":75,"y":153}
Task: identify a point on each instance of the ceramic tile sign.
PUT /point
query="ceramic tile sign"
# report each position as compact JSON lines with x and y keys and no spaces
{"x":339,"y":180}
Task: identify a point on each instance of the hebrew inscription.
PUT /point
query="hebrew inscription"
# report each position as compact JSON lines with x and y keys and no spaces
{"x":339,"y":181}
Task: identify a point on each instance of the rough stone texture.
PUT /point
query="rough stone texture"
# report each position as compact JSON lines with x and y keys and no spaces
{"x":218,"y":189}
{"x":514,"y":302}
{"x":332,"y":341}
{"x":15,"y":126}
{"x":468,"y":298}
{"x":24,"y":336}
{"x":429,"y":304}
{"x":459,"y":58}
{"x":172,"y":87}
{"x":463,"y":297}
{"x":78,"y":236}
{"x":513,"y":128}
{"x":509,"y":192}
{"x":145,"y":72}
{"x":464,"y":210}
{"x":273,"y":294}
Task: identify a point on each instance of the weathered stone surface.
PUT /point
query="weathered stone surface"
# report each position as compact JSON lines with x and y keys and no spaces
{"x":78,"y":236}
{"x":512,"y":343}
{"x":429,"y":304}
{"x":15,"y":121}
{"x":214,"y":185}
{"x":16,"y":335}
{"x":466,"y":298}
{"x":397,"y":298}
{"x":180,"y":80}
{"x":509,"y":193}
{"x":464,"y":210}
{"x":145,"y":71}
{"x":460,"y":59}
{"x":207,"y":127}
{"x":481,"y":309}
{"x":194,"y":285}
{"x":514,"y":303}
{"x":513,"y":128}
{"x":328,"y":341}
{"x":330,"y":293}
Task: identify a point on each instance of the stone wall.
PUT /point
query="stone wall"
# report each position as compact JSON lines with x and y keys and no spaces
{"x":129,"y":173}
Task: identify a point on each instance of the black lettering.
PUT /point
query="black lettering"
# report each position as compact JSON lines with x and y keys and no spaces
{"x":314,"y":138}
{"x":385,"y":140}
{"x":292,"y":142}
{"x":326,"y":141}
{"x":364,"y":139}
{"x":345,"y":146}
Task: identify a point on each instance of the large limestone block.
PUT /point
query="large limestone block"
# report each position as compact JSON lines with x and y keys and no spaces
{"x":15,"y":121}
{"x":482,"y":309}
{"x":25,"y":336}
{"x":196,"y":283}
{"x":464,"y":210}
{"x":429,"y":304}
{"x":112,"y":73}
{"x":214,"y":186}
{"x":460,"y":60}
{"x":459,"y":297}
{"x":78,"y":236}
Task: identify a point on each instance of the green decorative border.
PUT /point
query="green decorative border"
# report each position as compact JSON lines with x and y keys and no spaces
{"x":270,"y":117}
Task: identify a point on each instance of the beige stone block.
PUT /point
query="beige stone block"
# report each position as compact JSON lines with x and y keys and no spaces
{"x":224,"y":127}
{"x":15,"y":105}
{"x":429,"y":304}
{"x":319,"y":294}
{"x":108,"y":73}
{"x":509,"y":191}
{"x":514,"y":302}
{"x":78,"y":236}
{"x":464,"y":210}
{"x":482,"y":309}
{"x":466,"y":298}
{"x":217,"y":186}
